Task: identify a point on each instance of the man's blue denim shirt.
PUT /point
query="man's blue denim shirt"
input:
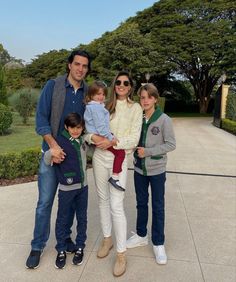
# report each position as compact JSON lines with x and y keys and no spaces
{"x":74,"y":102}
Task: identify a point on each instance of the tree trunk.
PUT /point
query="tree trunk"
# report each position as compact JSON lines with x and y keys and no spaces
{"x":203,"y":106}
{"x":203,"y":90}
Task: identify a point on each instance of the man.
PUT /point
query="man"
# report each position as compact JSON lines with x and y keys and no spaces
{"x":59,"y":97}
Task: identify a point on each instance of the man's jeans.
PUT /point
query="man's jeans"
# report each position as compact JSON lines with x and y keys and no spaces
{"x":157,"y":183}
{"x":47,"y":187}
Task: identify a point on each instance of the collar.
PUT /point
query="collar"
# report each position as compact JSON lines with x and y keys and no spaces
{"x":67,"y":136}
{"x":95,"y":103}
{"x":155,"y":116}
{"x":67,"y":84}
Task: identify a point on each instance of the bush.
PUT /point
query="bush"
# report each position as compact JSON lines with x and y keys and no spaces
{"x":13,"y":98}
{"x":229,"y":125}
{"x":3,"y":89}
{"x":174,"y":106}
{"x":5,"y":119}
{"x":231,"y":106}
{"x":161,"y":101}
{"x":25,"y":163}
{"x":25,"y":105}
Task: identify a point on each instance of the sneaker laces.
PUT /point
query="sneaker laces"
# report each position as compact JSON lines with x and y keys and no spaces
{"x":78,"y":252}
{"x":61,"y":255}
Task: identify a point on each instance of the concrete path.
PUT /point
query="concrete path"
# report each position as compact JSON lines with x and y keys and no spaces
{"x":200,"y":219}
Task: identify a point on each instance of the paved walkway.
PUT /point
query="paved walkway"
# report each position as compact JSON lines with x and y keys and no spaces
{"x":200,"y":220}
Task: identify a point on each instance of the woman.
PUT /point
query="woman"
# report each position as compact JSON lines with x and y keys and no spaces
{"x":125,"y":124}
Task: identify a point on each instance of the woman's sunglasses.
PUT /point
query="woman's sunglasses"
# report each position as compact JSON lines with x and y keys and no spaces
{"x":119,"y":82}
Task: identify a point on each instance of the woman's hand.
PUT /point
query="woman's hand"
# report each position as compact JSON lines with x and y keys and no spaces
{"x":104,"y":144}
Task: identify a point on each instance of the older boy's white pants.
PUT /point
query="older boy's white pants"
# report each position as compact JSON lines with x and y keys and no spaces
{"x":111,"y":200}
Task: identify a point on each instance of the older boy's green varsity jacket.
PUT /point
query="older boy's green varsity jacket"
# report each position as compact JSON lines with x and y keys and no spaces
{"x":157,"y":137}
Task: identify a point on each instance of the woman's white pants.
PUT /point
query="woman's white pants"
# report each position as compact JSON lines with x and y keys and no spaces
{"x":111,"y":200}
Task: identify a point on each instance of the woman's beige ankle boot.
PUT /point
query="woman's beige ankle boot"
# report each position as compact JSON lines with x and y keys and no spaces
{"x":120,"y":264}
{"x":105,"y":247}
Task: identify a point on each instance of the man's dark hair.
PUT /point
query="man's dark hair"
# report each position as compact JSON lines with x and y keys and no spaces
{"x":81,"y":53}
{"x":73,"y":120}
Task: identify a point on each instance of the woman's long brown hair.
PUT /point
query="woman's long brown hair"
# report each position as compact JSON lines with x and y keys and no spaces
{"x":111,"y":104}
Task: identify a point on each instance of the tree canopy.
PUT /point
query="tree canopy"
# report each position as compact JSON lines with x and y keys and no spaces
{"x":196,"y":37}
{"x":46,"y":66}
{"x":192,"y":38}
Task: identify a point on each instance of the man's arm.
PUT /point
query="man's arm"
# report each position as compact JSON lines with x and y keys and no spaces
{"x":58,"y":155}
{"x":43,"y":126}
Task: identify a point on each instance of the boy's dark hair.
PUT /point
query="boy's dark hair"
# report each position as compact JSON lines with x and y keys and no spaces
{"x":73,"y":120}
{"x":93,"y":90}
{"x":81,"y":53}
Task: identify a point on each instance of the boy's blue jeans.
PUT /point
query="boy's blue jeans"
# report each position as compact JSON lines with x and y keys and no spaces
{"x":66,"y":199}
{"x":157,"y":183}
{"x":47,"y":187}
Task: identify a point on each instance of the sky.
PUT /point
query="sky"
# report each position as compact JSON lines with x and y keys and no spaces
{"x":32,"y":27}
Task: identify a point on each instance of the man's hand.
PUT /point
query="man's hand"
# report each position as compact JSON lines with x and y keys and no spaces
{"x":58,"y":155}
{"x":56,"y":151}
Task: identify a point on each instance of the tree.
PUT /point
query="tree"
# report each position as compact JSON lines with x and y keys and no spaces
{"x":196,"y":37}
{"x":25,"y":104}
{"x":125,"y":48}
{"x":4,"y":56}
{"x":3,"y":90}
{"x":46,"y":66}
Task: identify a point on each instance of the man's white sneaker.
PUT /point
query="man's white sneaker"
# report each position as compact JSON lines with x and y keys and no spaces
{"x":136,"y":241}
{"x":160,"y":254}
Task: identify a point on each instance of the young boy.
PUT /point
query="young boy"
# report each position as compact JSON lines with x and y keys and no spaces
{"x":157,"y":139}
{"x":73,"y":188}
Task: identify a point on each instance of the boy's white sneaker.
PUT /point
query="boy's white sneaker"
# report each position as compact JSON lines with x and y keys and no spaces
{"x":160,"y":254}
{"x":136,"y":241}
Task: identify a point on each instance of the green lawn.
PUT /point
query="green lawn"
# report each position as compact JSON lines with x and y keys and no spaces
{"x":21,"y":136}
{"x":24,"y":136}
{"x":181,"y":114}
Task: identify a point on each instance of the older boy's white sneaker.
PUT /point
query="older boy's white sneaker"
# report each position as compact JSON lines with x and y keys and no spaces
{"x":160,"y":254}
{"x":136,"y":241}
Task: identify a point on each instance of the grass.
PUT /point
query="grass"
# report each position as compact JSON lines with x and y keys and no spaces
{"x":182,"y":114}
{"x":20,"y":136}
{"x":24,"y":136}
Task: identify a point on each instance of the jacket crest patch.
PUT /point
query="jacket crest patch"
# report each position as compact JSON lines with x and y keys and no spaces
{"x":69,"y":180}
{"x":155,"y":130}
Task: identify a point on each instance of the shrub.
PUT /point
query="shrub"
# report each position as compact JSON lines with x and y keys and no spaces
{"x":3,"y":89}
{"x":13,"y":97}
{"x":231,"y":106}
{"x":25,"y":163}
{"x":161,"y":101}
{"x":229,"y":125}
{"x":5,"y":119}
{"x":25,"y":105}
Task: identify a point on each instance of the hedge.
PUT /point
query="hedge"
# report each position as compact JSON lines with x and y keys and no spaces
{"x":25,"y":163}
{"x":229,"y":125}
{"x":161,"y":101}
{"x":5,"y":119}
{"x":231,"y":106}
